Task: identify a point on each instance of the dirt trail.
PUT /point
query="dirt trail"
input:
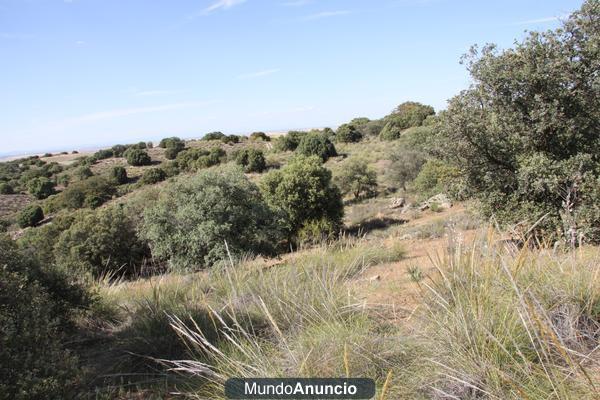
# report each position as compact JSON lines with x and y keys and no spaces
{"x":390,"y":285}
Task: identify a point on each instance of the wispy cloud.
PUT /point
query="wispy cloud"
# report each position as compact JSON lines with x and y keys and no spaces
{"x":221,"y":5}
{"x":15,"y":35}
{"x":259,"y":74}
{"x":326,"y":14}
{"x":541,"y":20}
{"x":124,"y":112}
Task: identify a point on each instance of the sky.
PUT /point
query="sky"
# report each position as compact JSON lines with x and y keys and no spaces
{"x":88,"y":73}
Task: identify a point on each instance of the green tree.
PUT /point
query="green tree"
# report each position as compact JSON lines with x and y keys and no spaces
{"x":348,"y":133}
{"x":30,"y":216}
{"x":137,"y":157}
{"x":119,"y":175}
{"x":357,"y":178}
{"x":405,"y":166}
{"x":252,"y":160}
{"x":315,"y":144}
{"x":195,"y":217}
{"x":153,"y":175}
{"x":301,"y":193}
{"x":289,"y":141}
{"x":214,"y":136}
{"x":525,"y":135}
{"x":40,"y":187}
{"x":410,"y":113}
{"x":260,"y":136}
{"x":111,"y":246}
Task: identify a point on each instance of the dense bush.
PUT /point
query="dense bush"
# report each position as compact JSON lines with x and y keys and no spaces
{"x":214,"y":136}
{"x":357,"y":178}
{"x":30,"y":216}
{"x":289,"y":141}
{"x":172,"y":152}
{"x":104,"y":153}
{"x":437,"y":177}
{"x":211,"y":158}
{"x":405,"y":166}
{"x":198,"y":218}
{"x":260,"y":136}
{"x":6,"y":188}
{"x":111,"y":246}
{"x":119,"y":149}
{"x":391,"y":131}
{"x":170,"y":142}
{"x":525,"y":135}
{"x":137,"y":157}
{"x":118,"y":175}
{"x":410,"y":114}
{"x":40,"y":187}
{"x":91,"y":193}
{"x":348,"y":133}
{"x":315,"y":144}
{"x":252,"y":160}
{"x":83,"y":173}
{"x":231,"y":139}
{"x":301,"y":193}
{"x":35,"y":309}
{"x":153,"y":175}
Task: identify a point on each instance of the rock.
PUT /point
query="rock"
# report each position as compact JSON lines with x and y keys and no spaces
{"x":398,"y":202}
{"x":375,"y":278}
{"x":441,"y":200}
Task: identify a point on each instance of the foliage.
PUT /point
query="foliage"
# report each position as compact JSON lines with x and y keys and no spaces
{"x":91,"y":192}
{"x":289,"y":141}
{"x":30,"y":216}
{"x":119,"y":149}
{"x":170,"y":142}
{"x":137,"y":157}
{"x":118,"y":175}
{"x":214,"y":136}
{"x":197,"y":219}
{"x":153,"y":175}
{"x":357,"y":178}
{"x":260,"y":136}
{"x":6,"y":188}
{"x":405,"y":166}
{"x":348,"y":133}
{"x":437,"y":177}
{"x":104,"y":153}
{"x":302,"y":192}
{"x":252,"y":160}
{"x":173,"y":147}
{"x":410,"y":114}
{"x":231,"y":139}
{"x":525,"y":135}
{"x":315,"y":144}
{"x":83,"y":173}
{"x":40,"y":187}
{"x":112,"y":246}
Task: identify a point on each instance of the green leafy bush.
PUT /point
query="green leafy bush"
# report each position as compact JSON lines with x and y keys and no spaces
{"x":119,"y":149}
{"x":437,"y":177}
{"x":137,"y":157}
{"x":40,"y":187}
{"x":315,"y":144}
{"x":290,"y":141}
{"x":30,"y":216}
{"x":214,"y":136}
{"x":118,"y":175}
{"x":231,"y":139}
{"x":111,"y":246}
{"x":357,"y":178}
{"x":170,"y":142}
{"x":195,"y":218}
{"x":91,"y":193}
{"x":104,"y":153}
{"x":405,"y":166}
{"x":6,"y":188}
{"x":212,"y":158}
{"x":260,"y":136}
{"x":348,"y":133}
{"x":410,"y":114}
{"x":153,"y":175}
{"x":83,"y":173}
{"x":300,"y":193}
{"x":252,"y":160}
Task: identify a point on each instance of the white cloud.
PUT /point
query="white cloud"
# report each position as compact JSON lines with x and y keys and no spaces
{"x":147,"y":93}
{"x":541,"y":20}
{"x":221,"y":4}
{"x":297,"y":3}
{"x":259,"y":74}
{"x":326,"y":14}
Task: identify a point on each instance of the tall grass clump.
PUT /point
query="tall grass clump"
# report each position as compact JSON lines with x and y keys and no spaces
{"x":505,"y":326}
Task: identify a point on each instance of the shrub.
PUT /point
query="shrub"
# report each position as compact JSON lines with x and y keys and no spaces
{"x":40,"y":187}
{"x":231,"y":139}
{"x":405,"y":166}
{"x":436,"y":177}
{"x":214,"y":157}
{"x":104,"y":153}
{"x":357,"y":178}
{"x":137,"y":157}
{"x":410,"y":114}
{"x":171,"y":168}
{"x":172,"y":152}
{"x":63,"y":179}
{"x":119,"y":149}
{"x":118,"y":175}
{"x":111,"y":246}
{"x":300,"y":193}
{"x":170,"y":142}
{"x":91,"y":192}
{"x":6,"y":188}
{"x":348,"y":133}
{"x":525,"y":141}
{"x":141,"y":145}
{"x":30,"y":216}
{"x":314,"y":144}
{"x":153,"y":175}
{"x":391,"y":131}
{"x":290,"y":141}
{"x":195,"y":217}
{"x":214,"y":136}
{"x":84,"y":173}
{"x":260,"y":136}
{"x":252,"y":160}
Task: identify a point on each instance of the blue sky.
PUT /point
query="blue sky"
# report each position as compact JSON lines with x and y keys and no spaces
{"x":79,"y":73}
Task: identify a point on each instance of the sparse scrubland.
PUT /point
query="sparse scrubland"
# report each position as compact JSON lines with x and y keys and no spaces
{"x":144,"y":271}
